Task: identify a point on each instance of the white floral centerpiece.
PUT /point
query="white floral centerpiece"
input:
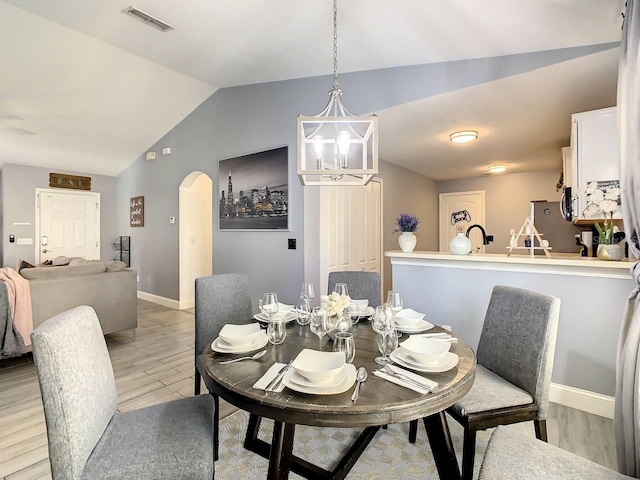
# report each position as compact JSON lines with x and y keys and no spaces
{"x":603,"y":201}
{"x":335,"y":303}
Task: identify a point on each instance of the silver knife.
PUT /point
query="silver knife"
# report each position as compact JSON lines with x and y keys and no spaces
{"x":407,"y":379}
{"x":275,"y":383}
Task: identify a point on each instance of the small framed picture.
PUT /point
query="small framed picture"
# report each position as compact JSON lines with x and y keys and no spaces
{"x":136,"y":212}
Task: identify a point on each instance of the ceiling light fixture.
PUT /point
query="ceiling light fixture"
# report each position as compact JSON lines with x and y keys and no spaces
{"x":497,"y":168}
{"x":464,"y":136}
{"x":148,"y":19}
{"x":336,"y":147}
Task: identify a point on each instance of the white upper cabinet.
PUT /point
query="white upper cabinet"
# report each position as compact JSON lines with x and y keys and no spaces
{"x":595,"y":152}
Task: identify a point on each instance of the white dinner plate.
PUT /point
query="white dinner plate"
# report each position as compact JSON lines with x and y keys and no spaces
{"x":288,"y":316}
{"x":346,"y":383}
{"x":367,"y":312}
{"x":420,"y":327}
{"x":220,"y":346}
{"x":299,"y":379}
{"x":451,"y":360}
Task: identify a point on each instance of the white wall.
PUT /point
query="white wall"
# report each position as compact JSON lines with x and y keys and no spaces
{"x":507,"y":200}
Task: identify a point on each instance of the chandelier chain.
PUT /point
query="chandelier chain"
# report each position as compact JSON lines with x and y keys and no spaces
{"x":335,"y":45}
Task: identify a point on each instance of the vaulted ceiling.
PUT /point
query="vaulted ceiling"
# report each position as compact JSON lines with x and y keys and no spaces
{"x":86,"y":88}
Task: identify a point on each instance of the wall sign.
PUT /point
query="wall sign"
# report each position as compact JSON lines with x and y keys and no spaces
{"x":461,"y":216}
{"x":60,"y":180}
{"x":136,"y":212}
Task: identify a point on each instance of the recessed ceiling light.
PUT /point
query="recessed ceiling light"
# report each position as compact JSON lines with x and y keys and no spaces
{"x":463,"y":136}
{"x":497,"y":168}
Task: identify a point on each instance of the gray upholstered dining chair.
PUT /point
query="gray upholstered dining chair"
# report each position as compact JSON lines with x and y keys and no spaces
{"x":510,"y":455}
{"x":513,"y":375}
{"x":88,"y":438}
{"x":220,"y":299}
{"x":361,"y":285}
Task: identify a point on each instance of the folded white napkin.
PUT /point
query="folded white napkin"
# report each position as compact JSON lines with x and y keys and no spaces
{"x":264,"y":381}
{"x":429,"y":385}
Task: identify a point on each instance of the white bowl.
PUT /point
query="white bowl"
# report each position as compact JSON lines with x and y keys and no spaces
{"x":239,"y":334}
{"x":425,"y":350}
{"x":319,"y":366}
{"x":362,"y":304}
{"x":408,"y":322}
{"x":283,"y":307}
{"x":410,"y":314}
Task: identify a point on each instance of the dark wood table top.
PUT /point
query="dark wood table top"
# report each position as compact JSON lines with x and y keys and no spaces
{"x":380,"y":402}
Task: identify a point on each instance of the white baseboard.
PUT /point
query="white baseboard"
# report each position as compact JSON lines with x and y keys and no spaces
{"x":167,"y":302}
{"x":584,"y":400}
{"x":187,"y":304}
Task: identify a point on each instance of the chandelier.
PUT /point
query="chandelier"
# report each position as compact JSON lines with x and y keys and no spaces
{"x":336,"y":147}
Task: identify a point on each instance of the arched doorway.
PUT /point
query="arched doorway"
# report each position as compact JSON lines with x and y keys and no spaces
{"x":196,"y":229}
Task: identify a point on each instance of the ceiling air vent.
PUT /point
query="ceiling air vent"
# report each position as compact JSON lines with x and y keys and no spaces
{"x":148,"y":19}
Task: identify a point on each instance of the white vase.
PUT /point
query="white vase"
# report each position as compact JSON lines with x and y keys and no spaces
{"x":611,"y":252}
{"x":460,"y":245}
{"x":407,"y":241}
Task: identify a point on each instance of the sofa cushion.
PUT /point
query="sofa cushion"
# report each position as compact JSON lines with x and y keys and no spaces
{"x":50,"y":273}
{"x":115,"y":266}
{"x":75,"y":261}
{"x":60,"y":260}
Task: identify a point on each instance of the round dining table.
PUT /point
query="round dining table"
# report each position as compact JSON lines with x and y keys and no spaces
{"x":380,"y":402}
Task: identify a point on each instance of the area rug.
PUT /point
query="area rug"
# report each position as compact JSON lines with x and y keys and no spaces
{"x":389,"y":456}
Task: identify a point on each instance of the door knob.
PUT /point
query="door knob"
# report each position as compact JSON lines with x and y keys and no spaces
{"x":44,"y":250}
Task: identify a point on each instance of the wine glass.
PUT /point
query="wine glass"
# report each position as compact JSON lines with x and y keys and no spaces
{"x":269,"y":305}
{"x":353,"y":312}
{"x":276,"y":331}
{"x":341,"y":289}
{"x":379,"y":319}
{"x":343,"y":342}
{"x":319,"y":323}
{"x":307,"y":292}
{"x":387,"y":342}
{"x":394,"y":302}
{"x":304,"y":313}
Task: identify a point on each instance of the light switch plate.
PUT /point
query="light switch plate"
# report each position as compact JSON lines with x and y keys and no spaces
{"x":25,"y":241}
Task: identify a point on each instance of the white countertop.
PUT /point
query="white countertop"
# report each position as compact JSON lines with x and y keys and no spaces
{"x":559,"y":263}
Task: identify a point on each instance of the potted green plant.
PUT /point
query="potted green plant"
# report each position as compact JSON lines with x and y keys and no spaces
{"x":407,"y":225}
{"x":604,"y":203}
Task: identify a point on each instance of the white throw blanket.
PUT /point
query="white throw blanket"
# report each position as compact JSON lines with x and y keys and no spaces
{"x":19,"y":297}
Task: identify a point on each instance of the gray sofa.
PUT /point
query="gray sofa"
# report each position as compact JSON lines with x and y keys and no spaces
{"x":106,"y":286}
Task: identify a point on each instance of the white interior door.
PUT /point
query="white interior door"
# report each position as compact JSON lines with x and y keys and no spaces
{"x":68,"y":223}
{"x":458,"y":211}
{"x":350,"y":229}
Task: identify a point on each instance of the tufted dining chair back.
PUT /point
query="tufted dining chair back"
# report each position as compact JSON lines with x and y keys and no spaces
{"x":361,"y":285}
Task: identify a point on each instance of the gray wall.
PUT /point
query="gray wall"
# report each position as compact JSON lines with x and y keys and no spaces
{"x":407,"y":192}
{"x":18,"y":186}
{"x":507,"y":200}
{"x":590,"y":313}
{"x":252,"y":118}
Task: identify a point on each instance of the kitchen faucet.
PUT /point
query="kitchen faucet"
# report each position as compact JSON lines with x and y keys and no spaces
{"x":486,"y":239}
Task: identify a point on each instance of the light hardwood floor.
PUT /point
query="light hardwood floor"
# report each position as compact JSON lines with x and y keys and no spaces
{"x":157,"y":366}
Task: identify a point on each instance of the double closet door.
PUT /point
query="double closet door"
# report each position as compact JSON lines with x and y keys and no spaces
{"x":350,"y":229}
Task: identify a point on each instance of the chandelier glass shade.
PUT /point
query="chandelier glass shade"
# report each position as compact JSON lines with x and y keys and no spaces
{"x":336,"y":147}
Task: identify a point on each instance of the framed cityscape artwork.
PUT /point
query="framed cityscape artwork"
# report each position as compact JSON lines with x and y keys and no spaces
{"x":253,"y":191}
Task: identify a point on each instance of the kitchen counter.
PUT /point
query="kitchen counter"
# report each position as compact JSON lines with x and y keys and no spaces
{"x":558,"y":264}
{"x":455,"y":290}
